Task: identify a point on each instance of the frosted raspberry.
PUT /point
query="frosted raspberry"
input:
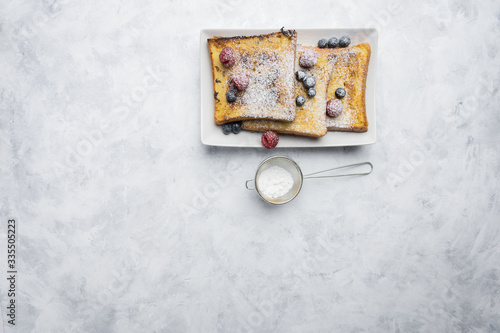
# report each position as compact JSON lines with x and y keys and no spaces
{"x":270,"y":139}
{"x":334,"y":108}
{"x":241,"y":81}
{"x":227,"y":57}
{"x":308,"y":58}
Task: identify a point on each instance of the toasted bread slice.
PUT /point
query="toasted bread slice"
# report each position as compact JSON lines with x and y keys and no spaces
{"x":268,"y":61}
{"x":350,"y":73}
{"x":310,"y":119}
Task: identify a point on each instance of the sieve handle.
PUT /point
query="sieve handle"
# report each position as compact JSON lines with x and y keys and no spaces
{"x":246,"y":184}
{"x":342,"y":167}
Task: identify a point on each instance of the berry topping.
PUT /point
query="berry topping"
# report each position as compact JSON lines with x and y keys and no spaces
{"x":334,"y":108}
{"x":236,"y":128}
{"x":344,"y":41}
{"x":300,"y":100}
{"x":300,"y":75}
{"x":227,"y":57}
{"x":311,"y":92}
{"x":308,"y":58}
{"x":227,"y":128}
{"x":340,"y":92}
{"x":309,"y":82}
{"x":231,"y":96}
{"x":333,"y":42}
{"x":270,"y":139}
{"x":322,"y":43}
{"x":241,"y":81}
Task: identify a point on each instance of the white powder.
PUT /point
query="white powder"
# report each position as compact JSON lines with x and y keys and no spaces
{"x":274,"y":182}
{"x":262,"y":94}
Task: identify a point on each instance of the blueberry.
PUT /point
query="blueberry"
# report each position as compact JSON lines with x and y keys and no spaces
{"x":322,"y":43}
{"x":311,"y":92}
{"x":344,"y":41}
{"x":340,"y":92}
{"x":236,"y":128}
{"x":231,"y":96}
{"x":300,"y":100}
{"x":333,"y":42}
{"x":300,"y":75}
{"x":227,"y":128}
{"x":309,"y":82}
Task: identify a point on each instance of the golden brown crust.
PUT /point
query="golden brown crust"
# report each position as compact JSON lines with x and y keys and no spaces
{"x":310,"y":119}
{"x":350,"y":73}
{"x":223,"y":40}
{"x":268,"y":61}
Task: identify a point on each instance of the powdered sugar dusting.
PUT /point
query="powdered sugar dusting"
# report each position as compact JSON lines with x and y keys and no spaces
{"x":274,"y":182}
{"x":344,"y":77}
{"x":310,"y":118}
{"x":262,"y":92}
{"x":312,"y":113}
{"x":270,"y":69}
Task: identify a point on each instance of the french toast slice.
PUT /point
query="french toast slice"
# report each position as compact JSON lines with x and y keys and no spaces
{"x":268,"y":61}
{"x":310,"y":119}
{"x":350,"y":73}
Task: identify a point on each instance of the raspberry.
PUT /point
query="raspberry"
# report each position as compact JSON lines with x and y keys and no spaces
{"x":308,"y":58}
{"x":270,"y":139}
{"x":241,"y":81}
{"x":334,"y":108}
{"x":227,"y":57}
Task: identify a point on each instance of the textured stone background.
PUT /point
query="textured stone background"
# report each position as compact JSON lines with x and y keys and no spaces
{"x":127,"y":223}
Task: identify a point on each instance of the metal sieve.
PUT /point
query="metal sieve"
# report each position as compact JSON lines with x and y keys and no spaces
{"x":293,"y":168}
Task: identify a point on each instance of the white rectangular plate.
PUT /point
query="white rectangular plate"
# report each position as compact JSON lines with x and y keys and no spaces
{"x":212,"y":135}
